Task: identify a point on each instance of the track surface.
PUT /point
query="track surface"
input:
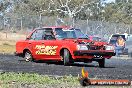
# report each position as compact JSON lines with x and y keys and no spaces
{"x":116,"y":68}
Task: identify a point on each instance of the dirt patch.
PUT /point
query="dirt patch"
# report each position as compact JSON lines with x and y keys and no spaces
{"x":7,"y":49}
{"x":8,"y":41}
{"x":10,"y":38}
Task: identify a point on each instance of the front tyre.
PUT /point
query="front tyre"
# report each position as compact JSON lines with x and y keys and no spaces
{"x":102,"y":63}
{"x":28,"y":56}
{"x":66,"y":57}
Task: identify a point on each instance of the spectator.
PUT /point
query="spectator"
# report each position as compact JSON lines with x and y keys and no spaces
{"x":120,"y":45}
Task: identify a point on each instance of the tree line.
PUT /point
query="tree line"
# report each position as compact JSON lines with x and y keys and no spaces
{"x":119,"y":11}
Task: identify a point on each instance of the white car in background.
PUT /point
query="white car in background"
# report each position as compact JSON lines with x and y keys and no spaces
{"x":113,"y":40}
{"x":129,"y":45}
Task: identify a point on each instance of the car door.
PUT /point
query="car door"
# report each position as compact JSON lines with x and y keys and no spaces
{"x":44,"y":45}
{"x":50,"y":45}
{"x":34,"y":41}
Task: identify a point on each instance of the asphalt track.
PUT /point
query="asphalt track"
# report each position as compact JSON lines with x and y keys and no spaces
{"x":116,"y":68}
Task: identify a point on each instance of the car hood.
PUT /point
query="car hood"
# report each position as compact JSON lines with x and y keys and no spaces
{"x":87,"y":41}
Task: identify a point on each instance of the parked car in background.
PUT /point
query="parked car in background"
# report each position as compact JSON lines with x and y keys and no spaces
{"x":129,"y":45}
{"x":113,"y":40}
{"x":97,"y":38}
{"x":94,"y":38}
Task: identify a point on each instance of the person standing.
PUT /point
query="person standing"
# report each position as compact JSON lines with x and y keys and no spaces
{"x":120,"y":45}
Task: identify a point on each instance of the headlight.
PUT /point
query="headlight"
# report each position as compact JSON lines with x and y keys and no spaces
{"x":82,"y":47}
{"x":107,"y":47}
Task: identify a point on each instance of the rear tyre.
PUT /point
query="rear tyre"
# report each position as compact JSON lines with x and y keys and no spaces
{"x":102,"y":63}
{"x":28,"y":56}
{"x":66,"y":57}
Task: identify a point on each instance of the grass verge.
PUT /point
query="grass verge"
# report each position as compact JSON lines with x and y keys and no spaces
{"x":26,"y":80}
{"x":32,"y":80}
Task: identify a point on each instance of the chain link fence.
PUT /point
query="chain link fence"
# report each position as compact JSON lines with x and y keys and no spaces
{"x":89,"y":27}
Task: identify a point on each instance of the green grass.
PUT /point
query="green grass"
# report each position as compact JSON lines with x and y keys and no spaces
{"x":26,"y":80}
{"x":15,"y":79}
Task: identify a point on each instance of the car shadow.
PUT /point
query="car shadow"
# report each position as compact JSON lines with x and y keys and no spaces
{"x":76,"y":64}
{"x":72,"y":64}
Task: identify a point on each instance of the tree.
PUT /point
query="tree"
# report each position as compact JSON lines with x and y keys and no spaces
{"x":65,"y":8}
{"x":4,"y":5}
{"x":118,"y":12}
{"x":70,"y":8}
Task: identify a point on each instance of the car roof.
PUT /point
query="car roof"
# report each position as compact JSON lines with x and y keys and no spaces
{"x":53,"y":27}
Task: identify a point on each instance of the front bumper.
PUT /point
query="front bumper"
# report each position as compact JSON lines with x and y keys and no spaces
{"x":94,"y":53}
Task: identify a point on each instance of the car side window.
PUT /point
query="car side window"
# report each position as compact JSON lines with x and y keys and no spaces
{"x":48,"y":35}
{"x":33,"y":36}
{"x":43,"y":34}
{"x":37,"y":35}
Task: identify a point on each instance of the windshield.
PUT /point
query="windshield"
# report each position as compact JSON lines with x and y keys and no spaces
{"x":70,"y":33}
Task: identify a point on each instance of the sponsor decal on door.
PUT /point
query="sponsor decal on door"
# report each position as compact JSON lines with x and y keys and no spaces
{"x":45,"y":50}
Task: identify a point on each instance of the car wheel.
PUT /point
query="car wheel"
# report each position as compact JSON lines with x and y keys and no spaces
{"x":28,"y":56}
{"x":102,"y":63}
{"x":66,"y":57}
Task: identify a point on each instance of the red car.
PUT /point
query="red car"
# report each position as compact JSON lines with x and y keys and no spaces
{"x":94,"y":38}
{"x":63,"y":44}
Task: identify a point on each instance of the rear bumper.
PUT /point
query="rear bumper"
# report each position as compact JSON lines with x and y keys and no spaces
{"x":94,"y":53}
